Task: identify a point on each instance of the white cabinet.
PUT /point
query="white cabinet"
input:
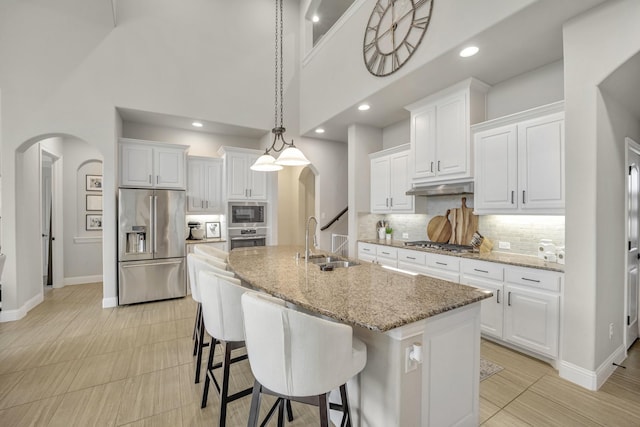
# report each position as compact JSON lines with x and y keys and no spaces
{"x":204,"y":186}
{"x":434,"y":265}
{"x":532,"y":310}
{"x":242,"y":182}
{"x":390,"y":180}
{"x":489,"y":276}
{"x":525,"y":308}
{"x":147,"y":164}
{"x":381,"y":254}
{"x":520,"y":163}
{"x":440,"y":136}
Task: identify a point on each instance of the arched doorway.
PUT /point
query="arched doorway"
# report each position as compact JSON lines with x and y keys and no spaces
{"x":62,"y":155}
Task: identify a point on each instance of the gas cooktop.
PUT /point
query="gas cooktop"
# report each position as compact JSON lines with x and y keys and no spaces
{"x":447,"y":247}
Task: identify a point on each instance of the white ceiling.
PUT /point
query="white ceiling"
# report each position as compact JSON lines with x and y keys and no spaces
{"x":167,"y":120}
{"x":623,"y":85}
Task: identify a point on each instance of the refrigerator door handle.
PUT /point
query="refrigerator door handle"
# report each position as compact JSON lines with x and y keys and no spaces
{"x":155,"y":224}
{"x":151,"y":264}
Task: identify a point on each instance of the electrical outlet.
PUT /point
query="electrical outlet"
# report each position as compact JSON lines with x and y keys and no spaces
{"x":504,"y":245}
{"x":405,"y":235}
{"x":610,"y":331}
{"x":409,"y":365}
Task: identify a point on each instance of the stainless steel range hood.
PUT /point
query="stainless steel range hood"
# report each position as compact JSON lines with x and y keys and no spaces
{"x":441,"y":189}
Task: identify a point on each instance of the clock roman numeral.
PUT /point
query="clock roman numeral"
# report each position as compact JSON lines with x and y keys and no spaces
{"x":381,"y":64}
{"x":372,"y":61}
{"x":379,"y":9}
{"x":368,"y":46}
{"x":421,"y":23}
{"x":409,"y":46}
{"x":395,"y":63}
{"x":419,"y":3}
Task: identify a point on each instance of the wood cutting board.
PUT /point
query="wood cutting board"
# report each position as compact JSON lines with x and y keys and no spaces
{"x":465,"y":223}
{"x":439,"y":228}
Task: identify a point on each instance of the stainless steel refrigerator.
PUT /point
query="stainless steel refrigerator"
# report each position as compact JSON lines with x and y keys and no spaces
{"x":151,"y":250}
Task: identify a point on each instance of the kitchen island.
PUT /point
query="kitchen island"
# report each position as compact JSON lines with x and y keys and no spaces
{"x":390,"y":311}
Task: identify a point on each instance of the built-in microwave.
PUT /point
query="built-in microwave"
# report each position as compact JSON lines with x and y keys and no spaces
{"x":247,"y":214}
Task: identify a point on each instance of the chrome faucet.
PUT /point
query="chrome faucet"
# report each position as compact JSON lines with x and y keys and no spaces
{"x":307,"y":252}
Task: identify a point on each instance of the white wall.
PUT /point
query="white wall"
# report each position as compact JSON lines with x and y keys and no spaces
{"x":595,"y":44}
{"x":200,"y":143}
{"x":396,"y":134}
{"x":327,"y":89}
{"x":363,"y":140}
{"x":164,"y":56}
{"x":82,"y":248}
{"x":537,"y":87}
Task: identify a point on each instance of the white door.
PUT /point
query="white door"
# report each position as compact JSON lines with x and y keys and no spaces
{"x":633,"y":191}
{"x":532,"y":319}
{"x":399,"y":182}
{"x":213,"y":185}
{"x":451,"y":136}
{"x":136,"y":165}
{"x":491,"y":317}
{"x":46,"y":216}
{"x":380,"y":179}
{"x":237,"y":167}
{"x":256,"y":181}
{"x":424,"y":142}
{"x":195,"y":185}
{"x":496,"y":152}
{"x":541,"y":163}
{"x":169,"y":167}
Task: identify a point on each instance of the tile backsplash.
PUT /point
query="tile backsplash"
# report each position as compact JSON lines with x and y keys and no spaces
{"x":523,"y":232}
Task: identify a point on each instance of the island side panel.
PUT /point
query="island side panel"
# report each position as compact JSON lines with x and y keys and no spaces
{"x":443,"y":390}
{"x":451,"y":369}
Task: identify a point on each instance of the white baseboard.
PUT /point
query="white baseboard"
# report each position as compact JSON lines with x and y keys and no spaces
{"x":109,"y":302}
{"x":81,"y":280}
{"x":591,"y":380}
{"x":12,"y":315}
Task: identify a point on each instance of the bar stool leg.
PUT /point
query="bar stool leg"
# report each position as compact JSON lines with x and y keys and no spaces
{"x":200,"y":345}
{"x":346,"y":410}
{"x":323,"y":406}
{"x":255,"y":405}
{"x":224,"y":398}
{"x":289,"y":411}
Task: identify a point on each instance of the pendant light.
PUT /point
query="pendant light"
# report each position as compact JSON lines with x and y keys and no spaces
{"x":290,"y":156}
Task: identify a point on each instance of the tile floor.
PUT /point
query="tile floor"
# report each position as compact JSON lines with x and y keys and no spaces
{"x":71,"y":363}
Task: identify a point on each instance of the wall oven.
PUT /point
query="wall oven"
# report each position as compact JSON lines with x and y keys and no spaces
{"x":247,"y":214}
{"x":247,"y":237}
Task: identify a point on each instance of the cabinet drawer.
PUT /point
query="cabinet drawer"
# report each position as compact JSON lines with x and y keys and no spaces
{"x":443,"y":262}
{"x":412,"y":257}
{"x":538,"y":279}
{"x":488,"y":270}
{"x":367,"y":248}
{"x":387,"y":252}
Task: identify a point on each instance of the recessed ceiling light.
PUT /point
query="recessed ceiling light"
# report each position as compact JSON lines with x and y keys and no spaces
{"x":319,"y":130}
{"x":315,"y":18}
{"x":196,"y":124}
{"x":469,"y":51}
{"x":363,"y":107}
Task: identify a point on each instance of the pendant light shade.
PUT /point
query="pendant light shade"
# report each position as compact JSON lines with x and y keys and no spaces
{"x":291,"y":156}
{"x":266,"y":163}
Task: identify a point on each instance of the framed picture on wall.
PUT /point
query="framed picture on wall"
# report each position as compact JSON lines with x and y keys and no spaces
{"x":94,"y":182}
{"x":94,"y":222}
{"x":94,"y":202}
{"x":213,"y":230}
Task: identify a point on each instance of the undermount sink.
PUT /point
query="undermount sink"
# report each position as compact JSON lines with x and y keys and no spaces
{"x":331,"y":262}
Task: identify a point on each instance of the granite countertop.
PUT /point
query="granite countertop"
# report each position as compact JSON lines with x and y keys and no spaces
{"x":192,"y":241}
{"x":500,"y":257}
{"x":365,"y":295}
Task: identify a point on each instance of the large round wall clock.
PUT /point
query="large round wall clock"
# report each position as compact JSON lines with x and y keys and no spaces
{"x":394,"y":32}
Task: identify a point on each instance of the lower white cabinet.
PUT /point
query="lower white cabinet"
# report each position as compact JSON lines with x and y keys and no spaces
{"x":525,"y":308}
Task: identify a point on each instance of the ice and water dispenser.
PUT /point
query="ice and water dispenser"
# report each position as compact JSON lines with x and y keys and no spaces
{"x":137,"y":239}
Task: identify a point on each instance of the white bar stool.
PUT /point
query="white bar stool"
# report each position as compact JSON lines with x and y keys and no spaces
{"x":211,"y":251}
{"x":299,"y":357}
{"x":195,"y":264}
{"x":222,"y":313}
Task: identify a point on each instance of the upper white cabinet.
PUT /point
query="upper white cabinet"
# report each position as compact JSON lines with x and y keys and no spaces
{"x":205,"y":184}
{"x":440,"y":132}
{"x":242,"y":182}
{"x":390,"y":180}
{"x":520,"y":163}
{"x":147,"y":164}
